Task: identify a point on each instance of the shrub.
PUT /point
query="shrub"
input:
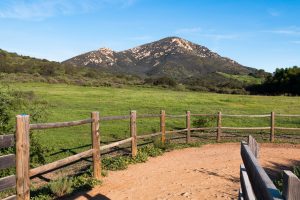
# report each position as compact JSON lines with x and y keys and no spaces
{"x":141,"y":157}
{"x":205,"y":121}
{"x":84,"y":182}
{"x":116,"y":163}
{"x":61,"y":187}
{"x":152,"y":151}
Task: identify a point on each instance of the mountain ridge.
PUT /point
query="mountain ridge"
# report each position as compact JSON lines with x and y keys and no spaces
{"x":171,"y":56}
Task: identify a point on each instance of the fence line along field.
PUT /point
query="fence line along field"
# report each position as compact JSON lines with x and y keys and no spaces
{"x":22,"y":159}
{"x":68,"y":103}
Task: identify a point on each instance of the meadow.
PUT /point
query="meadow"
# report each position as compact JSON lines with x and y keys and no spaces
{"x":68,"y":102}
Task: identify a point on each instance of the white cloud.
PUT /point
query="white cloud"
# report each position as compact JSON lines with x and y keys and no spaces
{"x":41,"y":9}
{"x":188,"y":30}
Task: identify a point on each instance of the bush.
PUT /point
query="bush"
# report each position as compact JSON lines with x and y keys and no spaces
{"x":61,"y":187}
{"x":84,"y":182}
{"x":116,"y":163}
{"x":14,"y":102}
{"x":205,"y":121}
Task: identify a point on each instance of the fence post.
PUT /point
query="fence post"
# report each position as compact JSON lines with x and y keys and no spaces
{"x":219,"y":129}
{"x":188,"y":126}
{"x":22,"y":157}
{"x":96,"y":145}
{"x":291,"y":185}
{"x":163,"y":125}
{"x":133,"y":133}
{"x":272,"y":131}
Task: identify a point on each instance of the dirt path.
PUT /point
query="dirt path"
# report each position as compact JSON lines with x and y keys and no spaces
{"x":209,"y":172}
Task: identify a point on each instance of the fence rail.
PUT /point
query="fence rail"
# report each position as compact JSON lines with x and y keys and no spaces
{"x":21,"y":139}
{"x":256,"y":184}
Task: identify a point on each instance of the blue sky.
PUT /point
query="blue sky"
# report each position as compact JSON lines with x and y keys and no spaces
{"x":257,"y":33}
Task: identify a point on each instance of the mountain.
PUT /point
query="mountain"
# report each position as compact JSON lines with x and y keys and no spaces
{"x":171,"y":57}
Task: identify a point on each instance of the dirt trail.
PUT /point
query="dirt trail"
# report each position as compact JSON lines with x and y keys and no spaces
{"x":209,"y":172}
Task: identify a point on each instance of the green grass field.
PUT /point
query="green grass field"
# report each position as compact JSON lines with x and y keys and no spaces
{"x":243,"y":78}
{"x":67,"y":103}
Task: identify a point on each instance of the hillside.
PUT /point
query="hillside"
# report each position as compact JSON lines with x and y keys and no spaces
{"x":173,"y":68}
{"x":172,"y":57}
{"x":19,"y":68}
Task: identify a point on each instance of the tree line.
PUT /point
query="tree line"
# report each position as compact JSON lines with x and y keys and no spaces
{"x":284,"y":81}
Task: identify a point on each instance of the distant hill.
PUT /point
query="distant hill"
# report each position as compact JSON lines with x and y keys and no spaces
{"x":172,"y":57}
{"x":171,"y":62}
{"x":18,"y":68}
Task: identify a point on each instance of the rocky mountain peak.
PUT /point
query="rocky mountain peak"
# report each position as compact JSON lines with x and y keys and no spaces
{"x":170,"y":56}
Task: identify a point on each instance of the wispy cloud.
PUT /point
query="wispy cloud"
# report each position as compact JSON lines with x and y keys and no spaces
{"x":221,"y":36}
{"x":296,"y":42}
{"x":211,"y":34}
{"x":188,"y":30}
{"x":41,"y":9}
{"x":273,"y":12}
{"x":292,"y":31}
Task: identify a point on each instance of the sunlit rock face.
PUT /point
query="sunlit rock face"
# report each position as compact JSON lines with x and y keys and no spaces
{"x":171,"y":56}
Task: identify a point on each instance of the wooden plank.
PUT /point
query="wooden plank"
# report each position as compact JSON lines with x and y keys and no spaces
{"x":148,"y":135}
{"x":240,"y":194}
{"x":287,"y":115}
{"x":176,"y":131}
{"x":60,"y":163}
{"x":272,"y":130}
{"x":203,"y":115}
{"x":163,"y":125}
{"x":204,"y":128}
{"x":110,"y":118}
{"x":246,"y":128}
{"x":148,"y":115}
{"x":59,"y":124}
{"x":7,"y":141}
{"x":175,"y":116}
{"x":253,"y":145}
{"x":13,"y":197}
{"x":285,"y":128}
{"x":96,"y":145}
{"x":246,"y":186}
{"x":133,"y":133}
{"x":219,"y":125}
{"x":22,"y":157}
{"x":7,"y":161}
{"x":263,"y":186}
{"x":7,"y":182}
{"x":115,"y":144}
{"x":227,"y":115}
{"x":188,"y":126}
{"x":291,"y":186}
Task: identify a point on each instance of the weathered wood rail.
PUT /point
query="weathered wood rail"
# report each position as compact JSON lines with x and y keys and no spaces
{"x":256,"y":184}
{"x":21,"y":181}
{"x":7,"y":161}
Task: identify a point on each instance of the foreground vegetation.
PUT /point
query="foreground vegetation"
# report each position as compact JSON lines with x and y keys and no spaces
{"x":61,"y":102}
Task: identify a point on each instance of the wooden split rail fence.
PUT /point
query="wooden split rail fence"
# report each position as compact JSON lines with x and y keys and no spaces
{"x":256,"y":184}
{"x":21,"y":140}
